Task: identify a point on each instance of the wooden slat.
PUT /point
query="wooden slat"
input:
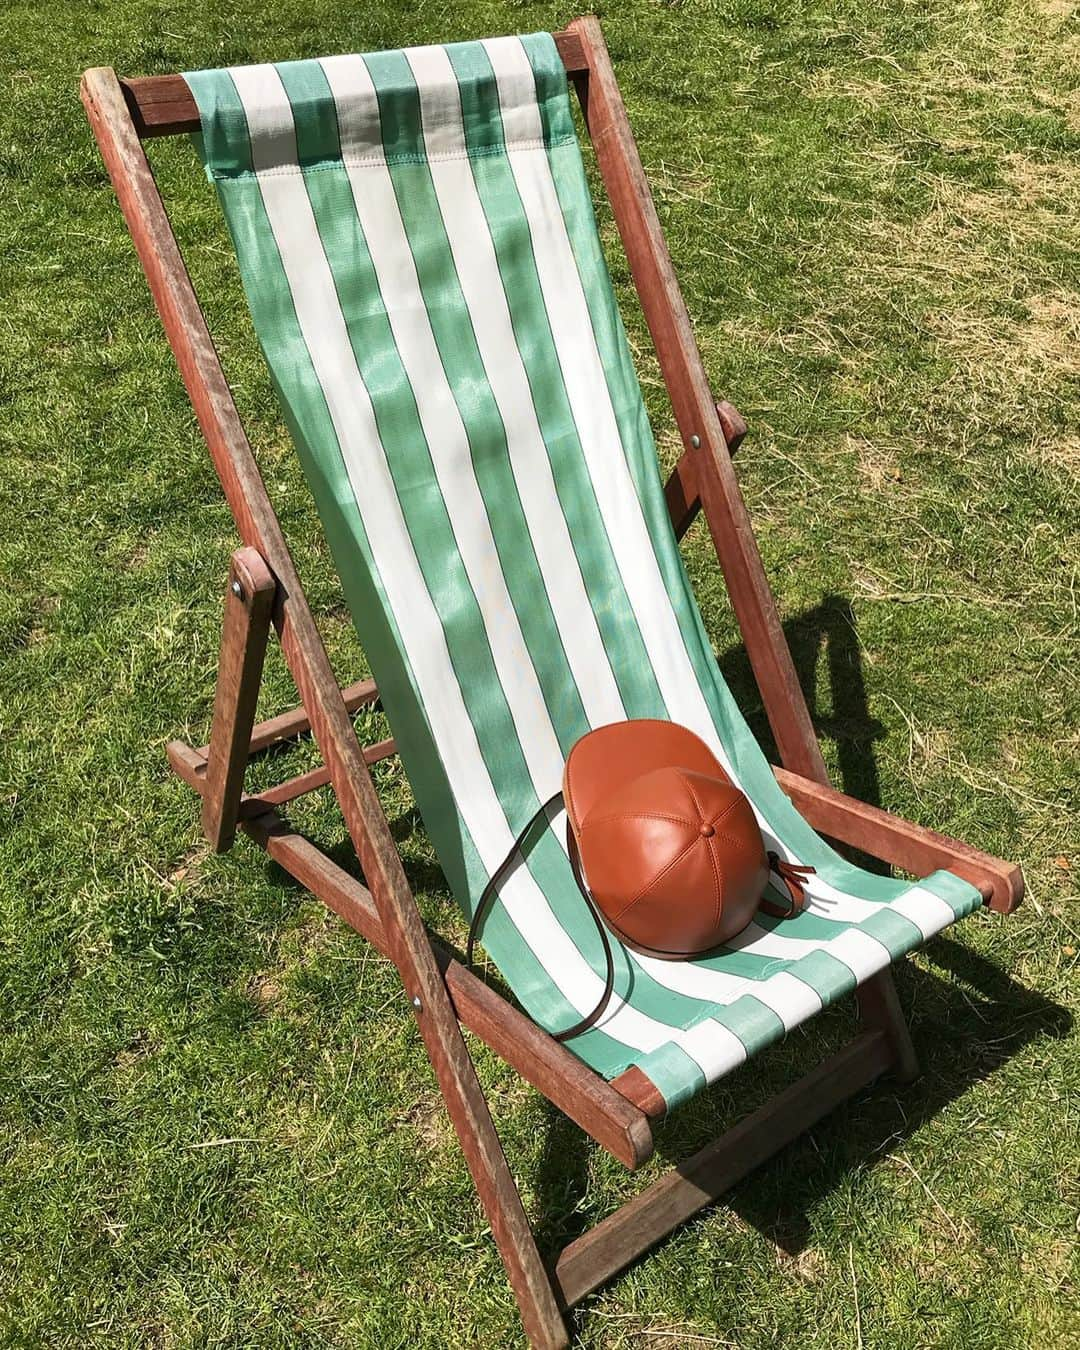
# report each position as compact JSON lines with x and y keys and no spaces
{"x":681,"y":489}
{"x":731,"y":424}
{"x":162,"y":105}
{"x":296,"y":722}
{"x":288,"y":791}
{"x":880,"y":1010}
{"x":681,"y":494}
{"x":902,"y":843}
{"x":618,"y":1240}
{"x":249,"y":599}
{"x":190,"y":763}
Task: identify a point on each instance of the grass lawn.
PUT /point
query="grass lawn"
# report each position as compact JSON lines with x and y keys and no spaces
{"x":218,"y":1124}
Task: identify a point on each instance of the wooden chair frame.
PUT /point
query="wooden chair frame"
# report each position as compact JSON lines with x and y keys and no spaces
{"x":264,"y":591}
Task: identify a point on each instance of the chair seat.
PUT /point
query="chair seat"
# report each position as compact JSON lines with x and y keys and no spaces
{"x":687,"y":1023}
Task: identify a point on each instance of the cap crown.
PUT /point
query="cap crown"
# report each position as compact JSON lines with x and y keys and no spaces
{"x":674,"y":860}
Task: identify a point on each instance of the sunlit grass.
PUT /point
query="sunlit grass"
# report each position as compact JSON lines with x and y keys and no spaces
{"x":219,"y":1127}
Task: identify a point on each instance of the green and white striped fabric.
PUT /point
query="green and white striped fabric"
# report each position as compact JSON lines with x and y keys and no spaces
{"x":418,"y":246}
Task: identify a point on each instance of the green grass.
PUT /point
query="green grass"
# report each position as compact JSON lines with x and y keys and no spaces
{"x":218,"y":1124}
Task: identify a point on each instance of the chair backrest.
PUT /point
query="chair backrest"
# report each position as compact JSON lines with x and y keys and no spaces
{"x":418,"y":245}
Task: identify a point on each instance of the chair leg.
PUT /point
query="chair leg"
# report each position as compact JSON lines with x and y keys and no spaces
{"x":879,"y":1010}
{"x":249,"y":601}
{"x":540,"y":1313}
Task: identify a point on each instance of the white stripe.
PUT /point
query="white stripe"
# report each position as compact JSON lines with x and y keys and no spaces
{"x":482,"y":284}
{"x":275,"y":145}
{"x":927,"y":911}
{"x":792,"y":1000}
{"x":716,"y":1049}
{"x":863,"y":955}
{"x":322,"y":325}
{"x":440,"y":102}
{"x":518,"y":109}
{"x":696,"y":981}
{"x":776,"y":944}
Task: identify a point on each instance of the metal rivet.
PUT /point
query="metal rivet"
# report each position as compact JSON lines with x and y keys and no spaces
{"x":237,"y":590}
{"x":416,"y":1002}
{"x":695,"y":441}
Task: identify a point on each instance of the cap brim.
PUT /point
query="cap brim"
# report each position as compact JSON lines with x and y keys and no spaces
{"x":608,"y":756}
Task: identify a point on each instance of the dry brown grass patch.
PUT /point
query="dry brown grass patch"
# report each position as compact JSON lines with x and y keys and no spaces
{"x":876,"y":465}
{"x":1060,"y":452}
{"x":264,"y":990}
{"x":429,"y":1122}
{"x":1040,"y":349}
{"x":188,"y":866}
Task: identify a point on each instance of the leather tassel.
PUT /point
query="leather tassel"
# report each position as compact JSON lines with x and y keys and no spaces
{"x":791,"y":874}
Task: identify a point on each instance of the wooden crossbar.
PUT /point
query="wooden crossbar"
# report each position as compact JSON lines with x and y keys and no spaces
{"x":296,"y":722}
{"x":901,"y":843}
{"x":162,"y":105}
{"x":191,"y":765}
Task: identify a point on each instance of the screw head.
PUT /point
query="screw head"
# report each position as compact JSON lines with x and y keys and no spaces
{"x":416,"y":1002}
{"x":237,"y":590}
{"x":695,"y":441}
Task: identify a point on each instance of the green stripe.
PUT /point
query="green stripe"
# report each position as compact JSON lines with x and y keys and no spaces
{"x":676,"y":1076}
{"x":827,"y":974}
{"x":816,"y":926}
{"x":755,"y":1024}
{"x":961,"y":896}
{"x":222,"y":139}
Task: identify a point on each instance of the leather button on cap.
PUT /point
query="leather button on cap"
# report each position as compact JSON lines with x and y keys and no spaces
{"x":706,"y":831}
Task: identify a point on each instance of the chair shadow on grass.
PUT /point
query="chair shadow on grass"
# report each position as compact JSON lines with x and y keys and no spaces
{"x":964,"y":1026}
{"x":959,"y":1041}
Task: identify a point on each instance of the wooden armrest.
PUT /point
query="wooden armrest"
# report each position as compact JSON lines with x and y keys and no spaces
{"x":901,"y":843}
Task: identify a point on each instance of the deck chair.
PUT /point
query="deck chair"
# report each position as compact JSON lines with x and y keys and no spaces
{"x":417,"y":243}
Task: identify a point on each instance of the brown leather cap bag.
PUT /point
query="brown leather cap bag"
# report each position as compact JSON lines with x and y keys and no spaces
{"x":669,"y":849}
{"x":665,"y":848}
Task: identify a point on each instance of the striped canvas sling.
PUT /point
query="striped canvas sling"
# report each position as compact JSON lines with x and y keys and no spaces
{"x":418,"y":247}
